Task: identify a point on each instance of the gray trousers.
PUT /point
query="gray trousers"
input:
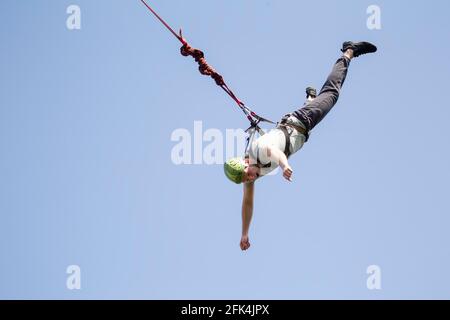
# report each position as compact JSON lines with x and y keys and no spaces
{"x":314,"y":111}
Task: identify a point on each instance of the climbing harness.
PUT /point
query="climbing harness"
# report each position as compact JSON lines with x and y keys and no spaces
{"x":283,"y":126}
{"x":206,"y":69}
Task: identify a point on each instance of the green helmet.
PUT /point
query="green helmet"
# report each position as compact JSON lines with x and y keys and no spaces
{"x":234,"y":169}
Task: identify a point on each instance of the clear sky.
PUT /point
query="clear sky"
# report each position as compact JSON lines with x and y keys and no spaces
{"x":87,"y":178}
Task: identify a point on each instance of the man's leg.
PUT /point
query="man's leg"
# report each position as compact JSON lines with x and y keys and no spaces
{"x":314,"y":111}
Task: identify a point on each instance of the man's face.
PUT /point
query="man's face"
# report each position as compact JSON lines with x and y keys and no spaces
{"x":251,"y":172}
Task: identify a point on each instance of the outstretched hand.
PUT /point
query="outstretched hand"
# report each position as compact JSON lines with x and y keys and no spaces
{"x":245,"y":243}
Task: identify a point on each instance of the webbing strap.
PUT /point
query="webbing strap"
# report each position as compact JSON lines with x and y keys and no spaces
{"x":287,"y":145}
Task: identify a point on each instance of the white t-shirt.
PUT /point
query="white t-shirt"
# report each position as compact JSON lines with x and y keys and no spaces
{"x":275,"y":138}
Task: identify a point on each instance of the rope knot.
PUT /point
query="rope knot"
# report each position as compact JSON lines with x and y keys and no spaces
{"x":203,"y":66}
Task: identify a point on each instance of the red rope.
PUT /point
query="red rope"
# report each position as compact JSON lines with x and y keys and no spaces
{"x":163,"y":22}
{"x":206,"y":69}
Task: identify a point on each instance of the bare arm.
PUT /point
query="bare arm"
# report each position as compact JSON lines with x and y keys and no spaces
{"x":280,"y":158}
{"x":247,"y":213}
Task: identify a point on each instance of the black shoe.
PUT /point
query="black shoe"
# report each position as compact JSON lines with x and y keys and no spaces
{"x":359,"y":48}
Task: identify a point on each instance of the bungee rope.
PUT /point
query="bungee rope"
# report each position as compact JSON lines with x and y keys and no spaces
{"x":207,"y":70}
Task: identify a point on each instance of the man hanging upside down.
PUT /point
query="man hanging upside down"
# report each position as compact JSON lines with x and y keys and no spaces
{"x":274,"y":148}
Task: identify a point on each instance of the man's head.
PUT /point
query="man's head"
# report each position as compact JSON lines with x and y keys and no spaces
{"x":239,"y":170}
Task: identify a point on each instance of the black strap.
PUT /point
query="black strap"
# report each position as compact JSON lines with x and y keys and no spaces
{"x":300,"y":129}
{"x":287,"y":136}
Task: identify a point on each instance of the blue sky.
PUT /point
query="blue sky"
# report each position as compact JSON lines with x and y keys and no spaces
{"x":87,"y":178}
